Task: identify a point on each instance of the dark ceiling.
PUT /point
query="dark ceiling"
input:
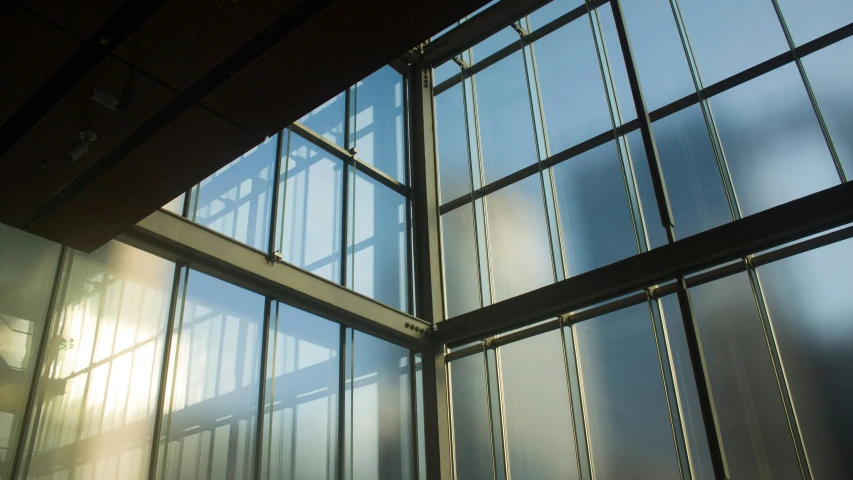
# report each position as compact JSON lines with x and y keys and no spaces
{"x":198,"y":82}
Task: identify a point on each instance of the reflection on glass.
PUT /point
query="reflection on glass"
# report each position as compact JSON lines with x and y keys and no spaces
{"x":830,"y":75}
{"x":301,"y":413}
{"x":176,"y":206}
{"x":627,"y":419}
{"x":655,"y":42}
{"x":520,"y":253}
{"x":810,"y":305}
{"x":381,"y":419}
{"x":472,"y":442}
{"x":328,"y":119}
{"x":728,"y":36}
{"x":752,"y":419}
{"x":538,"y":417}
{"x":236,"y":200}
{"x":452,"y":142}
{"x":100,"y":397}
{"x":506,"y":125}
{"x":379,"y":248}
{"x":460,"y":261}
{"x":573,"y":95}
{"x":773,"y":144}
{"x":27,"y":270}
{"x":622,"y":97}
{"x":551,"y":11}
{"x":378,"y":122}
{"x":590,"y":188}
{"x":809,"y":19}
{"x":309,"y":231}
{"x":494,"y":43}
{"x":208,"y":428}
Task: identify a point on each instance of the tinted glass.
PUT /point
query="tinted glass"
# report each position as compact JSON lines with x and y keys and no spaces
{"x":452,"y":143}
{"x":328,"y":119}
{"x":809,"y":300}
{"x":100,"y":397}
{"x":460,"y":261}
{"x":309,"y":231}
{"x":472,"y":443}
{"x":809,"y":19}
{"x":494,"y":43}
{"x":378,"y":122}
{"x":236,"y":200}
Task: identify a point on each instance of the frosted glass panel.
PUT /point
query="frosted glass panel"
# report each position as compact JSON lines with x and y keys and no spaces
{"x":627,"y":419}
{"x":217,"y":347}
{"x":236,"y":200}
{"x":811,"y":307}
{"x":27,"y":270}
{"x":300,"y":420}
{"x":312,"y":188}
{"x":460,"y":261}
{"x":472,"y":442}
{"x":381,"y":412}
{"x":97,"y":415}
{"x":538,"y":415}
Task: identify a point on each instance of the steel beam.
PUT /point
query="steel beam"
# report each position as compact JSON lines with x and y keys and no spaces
{"x":179,"y":239}
{"x":765,"y":230}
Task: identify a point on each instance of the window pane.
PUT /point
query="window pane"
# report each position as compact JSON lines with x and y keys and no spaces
{"x":445,"y":71}
{"x":235,"y":201}
{"x":176,"y":206}
{"x":472,"y":442}
{"x":460,"y":261}
{"x":312,"y":190}
{"x":101,"y":395}
{"x":773,"y":144}
{"x":591,"y":188}
{"x":573,"y":95}
{"x":27,"y":270}
{"x":506,"y":127}
{"x":380,"y":269}
{"x":728,"y":36}
{"x":809,"y":300}
{"x":551,"y":11}
{"x":216,"y":359}
{"x":379,"y":122}
{"x":831,"y":75}
{"x":538,"y":415}
{"x":752,"y":420}
{"x":382,"y":441}
{"x":627,"y":419}
{"x":518,"y":239}
{"x":809,"y":19}
{"x":300,"y":423}
{"x":655,"y":42}
{"x":494,"y":43}
{"x":452,"y":142}
{"x":328,"y":119}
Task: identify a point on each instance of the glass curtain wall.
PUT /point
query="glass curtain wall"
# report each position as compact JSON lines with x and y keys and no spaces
{"x":543,"y":176}
{"x":329,"y":195}
{"x":104,"y":352}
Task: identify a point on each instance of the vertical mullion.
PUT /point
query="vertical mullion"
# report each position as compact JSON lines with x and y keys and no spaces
{"x":282,"y":198}
{"x":694,"y":345}
{"x":489,"y":414}
{"x":407,"y":158}
{"x":342,"y":366}
{"x":262,"y":400}
{"x":413,"y":412}
{"x":576,"y":406}
{"x":275,"y":176}
{"x":29,"y":419}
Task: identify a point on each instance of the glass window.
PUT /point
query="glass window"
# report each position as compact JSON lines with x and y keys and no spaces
{"x":309,"y":230}
{"x":830,"y":75}
{"x":328,"y":119}
{"x":381,"y":418}
{"x":378,"y":122}
{"x":626,"y":412}
{"x":506,"y":125}
{"x":570,"y":80}
{"x":809,"y":19}
{"x":808,"y":297}
{"x":773,"y":144}
{"x":301,"y":417}
{"x":236,"y":200}
{"x":27,"y":270}
{"x":209,"y":420}
{"x":752,"y":419}
{"x":97,"y":412}
{"x":538,"y":416}
{"x":518,"y":239}
{"x":494,"y":43}
{"x":452,"y":141}
{"x":460,"y":261}
{"x":551,"y":11}
{"x":176,"y":206}
{"x":728,"y":36}
{"x":621,"y":95}
{"x":591,"y":188}
{"x":472,"y":441}
{"x":379,"y":248}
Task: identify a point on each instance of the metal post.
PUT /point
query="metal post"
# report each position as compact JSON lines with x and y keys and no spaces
{"x":276,"y":174}
{"x":265,"y":338}
{"x":342,"y":366}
